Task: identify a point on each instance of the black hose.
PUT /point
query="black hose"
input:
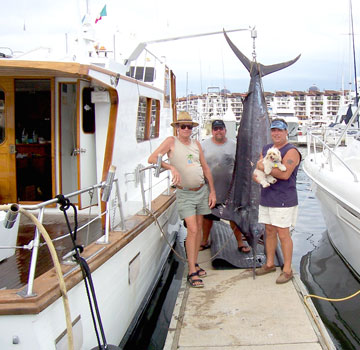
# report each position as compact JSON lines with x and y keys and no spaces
{"x":65,"y":204}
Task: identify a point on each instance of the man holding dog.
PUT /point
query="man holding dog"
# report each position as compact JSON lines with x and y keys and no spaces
{"x":279,"y":203}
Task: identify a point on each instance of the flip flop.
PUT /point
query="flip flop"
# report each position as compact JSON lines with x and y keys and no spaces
{"x":204,"y":246}
{"x":244,"y":249}
{"x":197,"y":283}
{"x":199,"y":269}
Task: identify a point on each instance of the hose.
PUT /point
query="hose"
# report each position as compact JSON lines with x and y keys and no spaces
{"x":56,"y":263}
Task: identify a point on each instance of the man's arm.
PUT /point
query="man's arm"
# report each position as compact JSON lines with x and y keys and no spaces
{"x":166,"y":146}
{"x":290,"y":160}
{"x":208,"y":176}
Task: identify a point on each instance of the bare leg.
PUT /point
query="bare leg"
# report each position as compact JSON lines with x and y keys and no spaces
{"x":206,"y":228}
{"x":286,"y":247}
{"x":238,"y":236}
{"x":271,"y":243}
{"x":194,"y":224}
{"x":199,"y":223}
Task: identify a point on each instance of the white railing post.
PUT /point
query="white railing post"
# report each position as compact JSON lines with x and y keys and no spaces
{"x":34,"y":257}
{"x":121,"y":211}
{"x":150,"y":191}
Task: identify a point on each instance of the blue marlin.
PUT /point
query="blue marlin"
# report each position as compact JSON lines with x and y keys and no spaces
{"x":242,"y":204}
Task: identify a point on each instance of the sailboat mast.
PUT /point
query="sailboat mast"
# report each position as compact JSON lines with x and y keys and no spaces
{"x":353,"y":45}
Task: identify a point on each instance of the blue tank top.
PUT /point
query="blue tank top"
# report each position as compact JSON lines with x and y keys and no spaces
{"x":283,"y":193}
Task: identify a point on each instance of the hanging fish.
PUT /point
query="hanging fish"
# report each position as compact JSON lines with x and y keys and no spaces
{"x":242,"y":204}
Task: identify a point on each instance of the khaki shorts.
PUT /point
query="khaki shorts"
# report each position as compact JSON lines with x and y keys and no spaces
{"x":280,"y":217}
{"x":191,"y":203}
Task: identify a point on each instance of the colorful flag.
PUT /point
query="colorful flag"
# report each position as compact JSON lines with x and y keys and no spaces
{"x":102,"y":14}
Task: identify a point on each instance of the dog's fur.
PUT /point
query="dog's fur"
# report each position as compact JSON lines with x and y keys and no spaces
{"x":271,"y":160}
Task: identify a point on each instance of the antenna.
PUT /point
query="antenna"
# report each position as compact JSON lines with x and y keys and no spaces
{"x":254,"y":36}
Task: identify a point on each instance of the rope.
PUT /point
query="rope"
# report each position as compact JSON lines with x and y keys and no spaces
{"x":58,"y":270}
{"x":332,"y":299}
{"x":306,"y":297}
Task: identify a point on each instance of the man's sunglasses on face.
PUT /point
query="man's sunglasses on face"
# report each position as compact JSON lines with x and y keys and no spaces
{"x":184,"y":126}
{"x":216,"y":128}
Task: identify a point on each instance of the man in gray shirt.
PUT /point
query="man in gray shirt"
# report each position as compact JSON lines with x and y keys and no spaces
{"x":219,"y":153}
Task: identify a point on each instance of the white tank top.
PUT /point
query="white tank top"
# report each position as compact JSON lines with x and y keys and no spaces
{"x":186,"y":159}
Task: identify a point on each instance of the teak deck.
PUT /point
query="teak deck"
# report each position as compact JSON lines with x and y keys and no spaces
{"x":46,"y":285}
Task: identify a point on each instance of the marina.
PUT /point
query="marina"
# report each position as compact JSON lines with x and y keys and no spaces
{"x":92,"y":248}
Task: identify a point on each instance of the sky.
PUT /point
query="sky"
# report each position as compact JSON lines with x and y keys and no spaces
{"x":316,"y":29}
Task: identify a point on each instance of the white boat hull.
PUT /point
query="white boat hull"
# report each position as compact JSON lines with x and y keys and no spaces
{"x":121,"y":286}
{"x":339,"y":196}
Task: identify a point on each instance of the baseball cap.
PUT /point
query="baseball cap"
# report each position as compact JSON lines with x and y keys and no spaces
{"x":278,"y":124}
{"x":217,"y":122}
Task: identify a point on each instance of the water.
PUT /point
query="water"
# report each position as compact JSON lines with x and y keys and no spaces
{"x":323,"y":272}
{"x":320,"y":268}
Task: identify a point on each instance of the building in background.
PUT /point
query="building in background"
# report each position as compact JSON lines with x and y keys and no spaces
{"x":311,"y":105}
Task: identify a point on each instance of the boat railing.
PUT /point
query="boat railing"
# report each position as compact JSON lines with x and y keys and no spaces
{"x":144,"y":67}
{"x":147,"y":204}
{"x":348,"y":125}
{"x":40,"y":208}
{"x":316,"y":145}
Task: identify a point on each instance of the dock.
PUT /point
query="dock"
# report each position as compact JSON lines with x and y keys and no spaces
{"x":234,"y":311}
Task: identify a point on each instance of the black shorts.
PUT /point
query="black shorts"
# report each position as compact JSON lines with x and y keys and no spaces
{"x":211,"y":217}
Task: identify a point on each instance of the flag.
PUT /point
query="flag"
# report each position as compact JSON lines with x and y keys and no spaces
{"x":102,"y":14}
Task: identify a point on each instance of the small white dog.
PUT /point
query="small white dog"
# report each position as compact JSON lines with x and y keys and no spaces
{"x":271,"y":160}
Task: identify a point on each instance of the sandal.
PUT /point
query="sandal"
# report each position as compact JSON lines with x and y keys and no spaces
{"x":244,"y":249}
{"x":197,"y":283}
{"x":204,"y":246}
{"x":200,"y":272}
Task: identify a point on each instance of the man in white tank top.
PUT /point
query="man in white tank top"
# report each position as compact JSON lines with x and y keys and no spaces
{"x":189,"y":169}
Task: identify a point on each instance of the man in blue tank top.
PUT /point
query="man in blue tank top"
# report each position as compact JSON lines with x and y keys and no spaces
{"x":279,"y":202}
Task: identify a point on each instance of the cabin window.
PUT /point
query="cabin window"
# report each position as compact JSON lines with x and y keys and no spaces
{"x":88,"y":121}
{"x":146,"y":74}
{"x":2,"y":116}
{"x":139,"y":73}
{"x":154,"y":119}
{"x":148,"y":120}
{"x":141,"y":120}
{"x":149,"y":74}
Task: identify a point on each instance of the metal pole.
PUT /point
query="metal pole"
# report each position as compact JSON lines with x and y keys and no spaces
{"x":34,"y":256}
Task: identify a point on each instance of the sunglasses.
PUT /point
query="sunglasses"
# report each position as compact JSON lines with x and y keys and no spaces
{"x":216,"y":128}
{"x":184,"y":126}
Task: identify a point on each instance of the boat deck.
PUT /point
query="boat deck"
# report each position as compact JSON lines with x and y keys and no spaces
{"x":234,"y":311}
{"x":14,"y":270}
